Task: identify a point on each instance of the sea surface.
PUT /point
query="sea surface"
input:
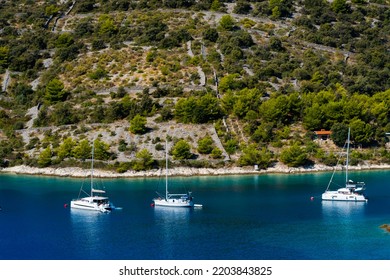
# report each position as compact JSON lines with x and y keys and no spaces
{"x":251,"y":217}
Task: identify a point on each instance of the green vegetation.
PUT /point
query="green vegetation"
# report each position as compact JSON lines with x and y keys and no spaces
{"x":144,"y":160}
{"x":205,"y":145}
{"x":138,"y":125}
{"x":264,"y":80}
{"x":44,"y":158}
{"x":181,"y":150}
{"x":294,"y":156}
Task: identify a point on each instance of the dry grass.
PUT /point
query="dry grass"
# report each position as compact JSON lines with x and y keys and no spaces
{"x":128,"y":66}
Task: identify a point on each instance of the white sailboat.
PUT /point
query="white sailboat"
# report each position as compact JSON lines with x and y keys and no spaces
{"x":173,"y":200}
{"x":352,"y":191}
{"x":94,"y":201}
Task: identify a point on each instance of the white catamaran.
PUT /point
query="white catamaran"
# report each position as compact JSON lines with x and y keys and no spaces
{"x":352,"y":191}
{"x":94,"y":201}
{"x":173,"y":200}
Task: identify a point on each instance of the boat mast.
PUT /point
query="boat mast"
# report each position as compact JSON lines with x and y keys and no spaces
{"x":93,"y":150}
{"x":166,"y":168}
{"x":347,"y":163}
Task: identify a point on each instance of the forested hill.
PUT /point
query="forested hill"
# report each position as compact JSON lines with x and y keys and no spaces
{"x":227,"y":83}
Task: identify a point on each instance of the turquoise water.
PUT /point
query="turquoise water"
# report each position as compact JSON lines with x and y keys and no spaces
{"x":244,"y":217}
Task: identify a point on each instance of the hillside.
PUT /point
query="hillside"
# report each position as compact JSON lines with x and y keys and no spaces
{"x":237,"y":83}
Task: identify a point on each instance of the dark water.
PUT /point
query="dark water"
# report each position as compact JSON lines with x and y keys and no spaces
{"x":244,"y":217}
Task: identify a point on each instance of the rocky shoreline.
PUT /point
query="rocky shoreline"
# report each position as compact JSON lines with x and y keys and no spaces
{"x":180,"y":171}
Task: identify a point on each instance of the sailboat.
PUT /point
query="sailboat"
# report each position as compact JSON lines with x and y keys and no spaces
{"x":94,"y":201}
{"x":173,"y":200}
{"x":352,"y":191}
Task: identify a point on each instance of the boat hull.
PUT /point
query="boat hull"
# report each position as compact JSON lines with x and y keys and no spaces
{"x":336,"y":196}
{"x":88,"y":204}
{"x":173,"y":203}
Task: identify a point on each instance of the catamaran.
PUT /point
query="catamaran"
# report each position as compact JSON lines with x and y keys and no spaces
{"x":94,"y":201}
{"x":352,"y":191}
{"x":173,"y":200}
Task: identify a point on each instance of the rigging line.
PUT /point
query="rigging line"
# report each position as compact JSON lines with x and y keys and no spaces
{"x":334,"y":169}
{"x":331,"y":179}
{"x":82,"y":185}
{"x":82,"y":188}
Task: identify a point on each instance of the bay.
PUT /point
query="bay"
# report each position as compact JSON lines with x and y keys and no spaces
{"x":251,"y":217}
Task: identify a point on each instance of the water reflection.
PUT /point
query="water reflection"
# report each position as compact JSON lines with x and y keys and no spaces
{"x":89,"y":229}
{"x":173,"y":228}
{"x":172,"y":214}
{"x":343,"y":209}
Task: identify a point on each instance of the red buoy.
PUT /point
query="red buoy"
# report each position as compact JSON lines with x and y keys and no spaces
{"x":65,"y":205}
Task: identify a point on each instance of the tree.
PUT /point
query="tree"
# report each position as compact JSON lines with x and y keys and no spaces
{"x":4,"y":56}
{"x":152,"y":30}
{"x":138,"y":124}
{"x":251,"y":156}
{"x":294,"y":156}
{"x":116,"y":111}
{"x":65,"y":149}
{"x":84,"y":28}
{"x":263,"y":133}
{"x":23,"y":93}
{"x":107,"y":26}
{"x":181,"y":150}
{"x":211,"y":34}
{"x":64,"y":40}
{"x":101,"y":150}
{"x":216,"y":153}
{"x":242,"y":39}
{"x":230,"y":82}
{"x":23,"y":61}
{"x":276,"y":44}
{"x":51,"y":10}
{"x":64,"y":114}
{"x":242,"y":7}
{"x":166,"y":113}
{"x":339,"y":134}
{"x":280,"y":8}
{"x":231,"y":146}
{"x":341,"y":6}
{"x":44,"y":158}
{"x":82,"y":150}
{"x":182,"y":35}
{"x":313,"y":117}
{"x":198,"y":110}
{"x":184,"y":109}
{"x":361,"y":132}
{"x":205,"y":145}
{"x":227,"y":22}
{"x":276,"y":110}
{"x":98,"y":44}
{"x":215,"y":5}
{"x":85,"y":6}
{"x":243,"y":102}
{"x":276,"y":13}
{"x":68,"y":53}
{"x":207,"y":109}
{"x":144,"y":160}
{"x":98,"y":73}
{"x":55,"y":91}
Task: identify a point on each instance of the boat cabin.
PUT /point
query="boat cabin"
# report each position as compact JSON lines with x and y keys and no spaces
{"x":344,"y":191}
